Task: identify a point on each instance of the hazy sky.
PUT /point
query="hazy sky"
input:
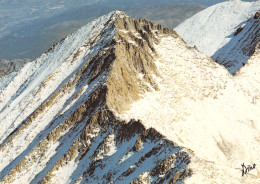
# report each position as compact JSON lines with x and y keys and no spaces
{"x":16,"y":16}
{"x":15,"y":13}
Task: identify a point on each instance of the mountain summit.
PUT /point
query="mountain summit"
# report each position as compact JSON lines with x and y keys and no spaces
{"x":127,"y":101}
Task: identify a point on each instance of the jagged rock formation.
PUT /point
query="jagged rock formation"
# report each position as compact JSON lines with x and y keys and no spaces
{"x":57,"y":115}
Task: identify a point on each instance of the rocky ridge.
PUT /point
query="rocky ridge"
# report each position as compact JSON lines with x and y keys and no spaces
{"x":62,"y":109}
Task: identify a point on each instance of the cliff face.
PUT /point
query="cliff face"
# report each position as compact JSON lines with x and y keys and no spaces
{"x":133,"y":70}
{"x":58,"y":120}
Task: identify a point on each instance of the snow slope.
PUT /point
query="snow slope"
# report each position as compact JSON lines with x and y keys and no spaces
{"x":200,"y":106}
{"x":57,"y":64}
{"x":214,"y":27}
{"x":35,"y":84}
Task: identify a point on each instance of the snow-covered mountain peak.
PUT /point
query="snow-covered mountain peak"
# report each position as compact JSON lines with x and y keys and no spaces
{"x":127,"y":101}
{"x":62,"y":108}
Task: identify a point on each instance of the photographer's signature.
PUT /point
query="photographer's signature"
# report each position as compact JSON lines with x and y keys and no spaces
{"x":246,"y":169}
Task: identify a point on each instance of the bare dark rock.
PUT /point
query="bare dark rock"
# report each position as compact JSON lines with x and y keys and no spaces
{"x":257,"y":15}
{"x":238,"y":30}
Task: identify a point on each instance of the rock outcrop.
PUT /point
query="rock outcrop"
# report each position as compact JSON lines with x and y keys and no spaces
{"x":257,"y":14}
